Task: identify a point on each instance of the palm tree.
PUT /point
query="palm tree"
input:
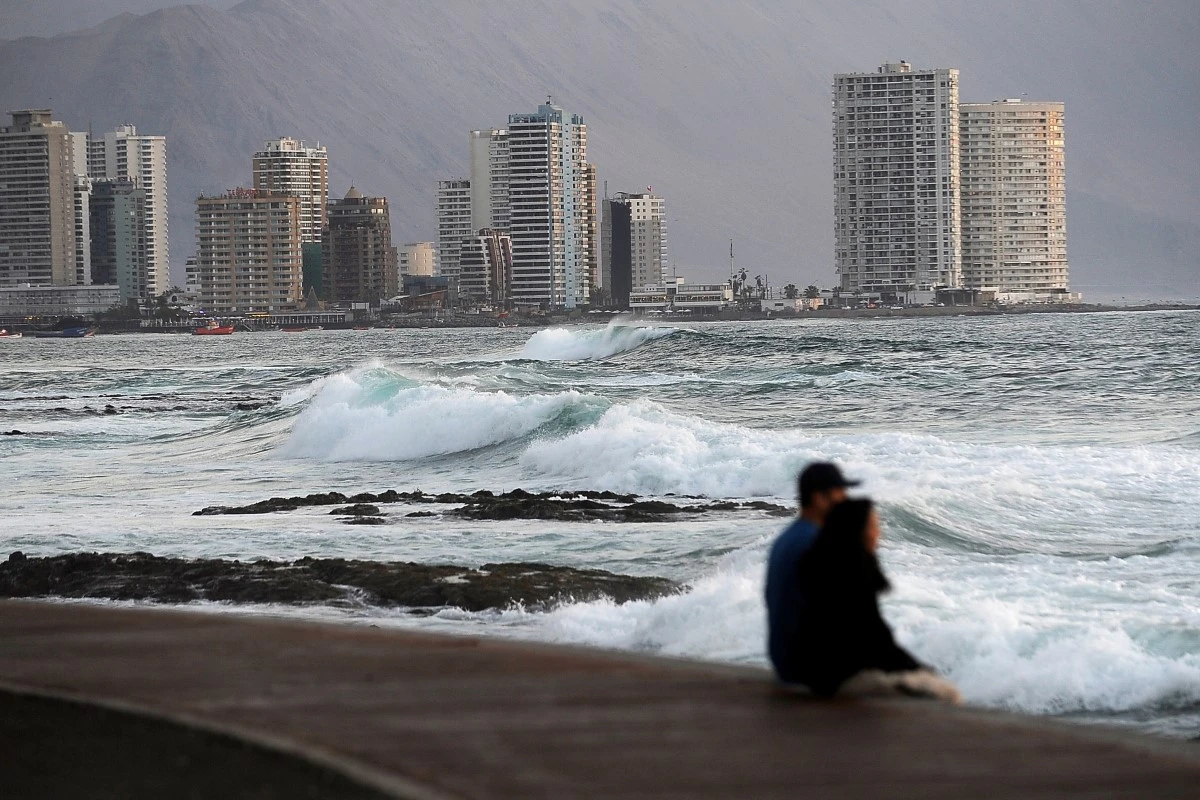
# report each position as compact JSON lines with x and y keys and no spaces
{"x":812,"y":292}
{"x":791,"y":292}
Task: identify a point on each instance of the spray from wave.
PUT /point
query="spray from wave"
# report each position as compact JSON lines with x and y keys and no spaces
{"x":563,"y":344}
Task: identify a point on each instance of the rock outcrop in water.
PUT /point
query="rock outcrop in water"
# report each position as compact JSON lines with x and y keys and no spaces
{"x":142,"y":576}
{"x":581,"y":506}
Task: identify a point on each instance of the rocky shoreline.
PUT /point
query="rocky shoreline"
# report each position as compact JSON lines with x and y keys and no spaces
{"x":578,"y":506}
{"x":421,"y":588}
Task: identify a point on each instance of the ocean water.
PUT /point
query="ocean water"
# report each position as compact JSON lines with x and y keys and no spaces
{"x":1039,"y":476}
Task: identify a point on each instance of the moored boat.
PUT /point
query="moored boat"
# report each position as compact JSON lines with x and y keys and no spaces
{"x":7,"y":334}
{"x":213,"y":328}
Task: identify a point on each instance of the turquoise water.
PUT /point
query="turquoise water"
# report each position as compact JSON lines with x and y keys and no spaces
{"x":1039,"y":475}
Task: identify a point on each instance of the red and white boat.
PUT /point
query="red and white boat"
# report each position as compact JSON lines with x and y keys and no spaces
{"x":213,"y":328}
{"x":7,"y":334}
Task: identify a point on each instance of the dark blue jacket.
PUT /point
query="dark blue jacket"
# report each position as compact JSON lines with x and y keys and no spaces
{"x":784,"y":597}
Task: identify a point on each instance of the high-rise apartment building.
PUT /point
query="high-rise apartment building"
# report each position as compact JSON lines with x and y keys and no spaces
{"x":83,"y":216}
{"x":591,"y":227}
{"x":418,"y":259}
{"x":123,"y":154}
{"x":896,"y":179}
{"x":486,"y":268}
{"x":289,"y":166}
{"x":248,"y":256}
{"x":1014,"y":197}
{"x":489,"y":179}
{"x":635,"y":244}
{"x":358,"y":259}
{"x":116,"y":211}
{"x":454,"y":220}
{"x":37,"y":201}
{"x":552,"y":214}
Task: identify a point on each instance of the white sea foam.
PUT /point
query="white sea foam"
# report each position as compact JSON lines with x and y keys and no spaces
{"x":563,"y":344}
{"x":1001,"y":653}
{"x":642,"y":447}
{"x":365,"y":416}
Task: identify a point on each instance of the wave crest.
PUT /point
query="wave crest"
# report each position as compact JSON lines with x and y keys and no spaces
{"x":375,"y":414}
{"x":562,"y":344}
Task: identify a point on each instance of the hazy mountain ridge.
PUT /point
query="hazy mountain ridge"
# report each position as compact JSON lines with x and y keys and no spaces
{"x":723,"y":107}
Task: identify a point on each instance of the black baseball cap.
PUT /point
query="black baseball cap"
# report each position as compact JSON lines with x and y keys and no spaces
{"x":821,"y":475}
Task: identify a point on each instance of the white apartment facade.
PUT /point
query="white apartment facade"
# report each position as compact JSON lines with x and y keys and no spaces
{"x":38,"y":243}
{"x":455,"y":223}
{"x":489,"y":179}
{"x":552,"y":207}
{"x":83,"y":214}
{"x":123,"y":154}
{"x":1014,"y":198}
{"x":418,"y":259}
{"x":897,"y":221}
{"x":289,"y":166}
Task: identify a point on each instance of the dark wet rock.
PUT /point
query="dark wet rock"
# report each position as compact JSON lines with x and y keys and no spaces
{"x":575,"y":506}
{"x":253,"y":406}
{"x":365,"y":521}
{"x":421,"y":514}
{"x":357,"y":510}
{"x":16,"y":557}
{"x":14,"y":432}
{"x":142,"y":576}
{"x":111,"y":409}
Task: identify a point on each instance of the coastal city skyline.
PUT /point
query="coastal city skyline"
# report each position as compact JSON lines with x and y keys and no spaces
{"x":530,"y":229}
{"x":720,"y":186}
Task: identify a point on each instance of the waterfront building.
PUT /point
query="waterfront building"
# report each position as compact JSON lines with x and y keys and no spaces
{"x":551,"y":213}
{"x":489,"y":179}
{"x":418,"y":259}
{"x":248,"y":252}
{"x":676,"y":295}
{"x":17,"y":303}
{"x":635,"y":244}
{"x":117,"y":223}
{"x":486,"y":268}
{"x":37,"y":201}
{"x":358,"y":259}
{"x":896,"y":179}
{"x":454,"y":223}
{"x":1014,"y":198}
{"x":289,"y":166}
{"x":124,"y":154}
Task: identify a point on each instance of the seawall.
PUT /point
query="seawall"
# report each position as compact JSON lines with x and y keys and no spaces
{"x":359,"y":711}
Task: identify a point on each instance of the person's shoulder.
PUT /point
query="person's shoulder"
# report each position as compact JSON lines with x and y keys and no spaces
{"x":799,"y":532}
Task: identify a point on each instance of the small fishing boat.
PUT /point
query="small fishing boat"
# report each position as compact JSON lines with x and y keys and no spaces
{"x":7,"y":334}
{"x":213,"y":328}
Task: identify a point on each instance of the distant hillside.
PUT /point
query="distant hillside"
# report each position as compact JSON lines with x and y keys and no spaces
{"x":722,"y":106}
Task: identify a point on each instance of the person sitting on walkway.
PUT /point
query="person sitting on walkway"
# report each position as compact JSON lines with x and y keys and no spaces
{"x":822,"y":486}
{"x":842,"y":644}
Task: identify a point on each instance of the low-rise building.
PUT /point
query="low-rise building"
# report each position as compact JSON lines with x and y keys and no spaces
{"x":21,"y":302}
{"x":681,"y":297}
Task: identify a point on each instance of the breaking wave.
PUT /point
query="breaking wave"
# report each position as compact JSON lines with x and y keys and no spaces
{"x":563,"y":344}
{"x":375,"y":414}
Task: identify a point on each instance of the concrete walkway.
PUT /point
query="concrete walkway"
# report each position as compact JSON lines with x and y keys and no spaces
{"x":424,"y":716}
